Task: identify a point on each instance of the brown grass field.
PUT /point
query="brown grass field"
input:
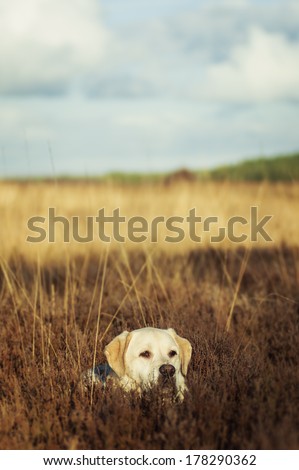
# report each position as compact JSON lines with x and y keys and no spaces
{"x":238,"y":304}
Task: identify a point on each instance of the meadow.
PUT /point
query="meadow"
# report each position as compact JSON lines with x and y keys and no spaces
{"x":237,"y":303}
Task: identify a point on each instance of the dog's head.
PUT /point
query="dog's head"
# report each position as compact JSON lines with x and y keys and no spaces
{"x":149,"y":355}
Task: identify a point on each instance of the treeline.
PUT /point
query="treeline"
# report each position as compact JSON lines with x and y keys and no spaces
{"x":280,"y":168}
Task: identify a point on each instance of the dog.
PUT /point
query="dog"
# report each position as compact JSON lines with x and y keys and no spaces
{"x":139,"y":359}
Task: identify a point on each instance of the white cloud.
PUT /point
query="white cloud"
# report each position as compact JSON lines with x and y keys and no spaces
{"x":173,"y":74}
{"x":227,"y":50}
{"x":265,"y":68}
{"x":47,"y":44}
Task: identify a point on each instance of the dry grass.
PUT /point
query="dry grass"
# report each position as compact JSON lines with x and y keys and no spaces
{"x":19,"y":202}
{"x":238,"y":306}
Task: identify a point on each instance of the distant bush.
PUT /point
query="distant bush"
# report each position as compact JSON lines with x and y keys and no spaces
{"x":132,"y":178}
{"x":281,"y":168}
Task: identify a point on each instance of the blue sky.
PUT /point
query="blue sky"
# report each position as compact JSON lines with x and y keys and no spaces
{"x":89,"y":86}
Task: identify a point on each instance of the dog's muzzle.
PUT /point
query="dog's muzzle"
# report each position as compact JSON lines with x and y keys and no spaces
{"x":167,"y":370}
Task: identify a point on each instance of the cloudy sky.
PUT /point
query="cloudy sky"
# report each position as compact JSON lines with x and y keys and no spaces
{"x":91,"y":86}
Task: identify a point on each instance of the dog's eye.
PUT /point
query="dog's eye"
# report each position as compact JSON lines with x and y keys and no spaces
{"x":172,"y":353}
{"x":146,"y":354}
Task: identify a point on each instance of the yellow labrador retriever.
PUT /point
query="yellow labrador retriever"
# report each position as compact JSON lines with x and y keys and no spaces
{"x":145,"y":357}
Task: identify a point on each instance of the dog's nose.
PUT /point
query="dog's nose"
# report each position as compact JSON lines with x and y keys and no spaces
{"x":167,"y":370}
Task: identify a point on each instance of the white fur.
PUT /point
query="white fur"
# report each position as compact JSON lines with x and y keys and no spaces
{"x":125,"y":354}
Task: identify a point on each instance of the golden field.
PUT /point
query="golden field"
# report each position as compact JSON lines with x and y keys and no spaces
{"x":238,"y":304}
{"x":20,"y":201}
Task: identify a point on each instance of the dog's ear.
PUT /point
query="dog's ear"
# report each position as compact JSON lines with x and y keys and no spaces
{"x":115,"y":352}
{"x":185,"y":349}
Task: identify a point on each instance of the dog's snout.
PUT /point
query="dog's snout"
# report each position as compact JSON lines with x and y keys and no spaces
{"x":167,"y":370}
